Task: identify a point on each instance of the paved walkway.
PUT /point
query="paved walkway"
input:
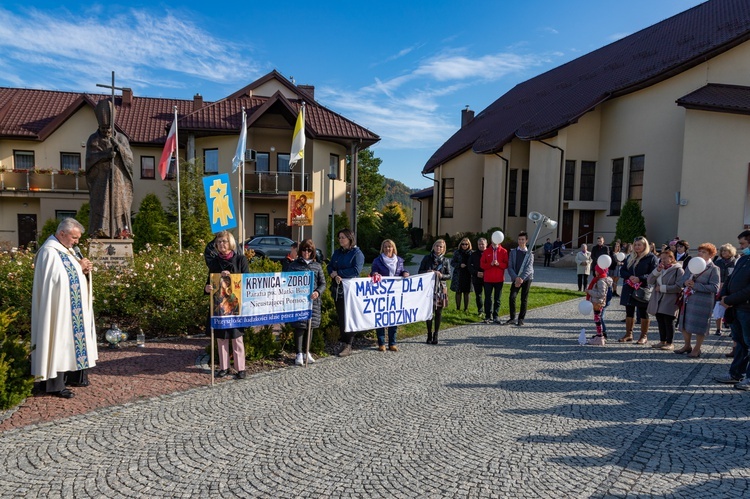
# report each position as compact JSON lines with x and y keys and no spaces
{"x":493,"y":411}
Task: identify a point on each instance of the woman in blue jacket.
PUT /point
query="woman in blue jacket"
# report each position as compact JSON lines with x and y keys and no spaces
{"x":388,"y":263}
{"x":346,"y":263}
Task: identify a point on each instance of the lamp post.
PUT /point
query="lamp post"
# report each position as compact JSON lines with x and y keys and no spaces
{"x":539,"y":220}
{"x":332,"y":176}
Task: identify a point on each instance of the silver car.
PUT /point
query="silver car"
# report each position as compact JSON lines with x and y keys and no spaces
{"x":274,"y":248}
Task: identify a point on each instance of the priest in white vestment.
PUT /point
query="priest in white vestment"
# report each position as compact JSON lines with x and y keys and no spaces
{"x":63,"y":337}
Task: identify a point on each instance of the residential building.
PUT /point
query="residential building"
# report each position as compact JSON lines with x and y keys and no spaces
{"x":43,"y":148}
{"x":660,"y":116}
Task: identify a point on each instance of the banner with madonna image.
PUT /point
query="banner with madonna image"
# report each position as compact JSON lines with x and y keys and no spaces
{"x":245,"y":300}
{"x":388,"y":301}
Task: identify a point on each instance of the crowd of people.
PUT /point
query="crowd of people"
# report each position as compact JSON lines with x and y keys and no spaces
{"x":688,"y":293}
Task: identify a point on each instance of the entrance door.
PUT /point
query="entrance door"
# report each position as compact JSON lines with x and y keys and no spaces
{"x":26,"y":229}
{"x":585,"y":227}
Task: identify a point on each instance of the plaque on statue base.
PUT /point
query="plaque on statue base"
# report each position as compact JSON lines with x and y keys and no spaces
{"x":111,"y":253}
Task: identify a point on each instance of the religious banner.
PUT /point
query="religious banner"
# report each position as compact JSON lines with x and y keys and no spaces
{"x":301,"y":208}
{"x":219,"y":202}
{"x":391,"y":301}
{"x":244,"y":300}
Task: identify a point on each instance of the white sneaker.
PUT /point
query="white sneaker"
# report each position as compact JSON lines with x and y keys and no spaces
{"x":310,"y":359}
{"x":300,"y":360}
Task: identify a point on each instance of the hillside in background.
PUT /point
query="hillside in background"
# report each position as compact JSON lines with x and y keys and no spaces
{"x":399,"y":192}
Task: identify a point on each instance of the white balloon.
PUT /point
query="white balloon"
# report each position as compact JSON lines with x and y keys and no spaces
{"x":620,"y":256}
{"x":696,"y":265}
{"x":604,"y":261}
{"x":498,"y":237}
{"x":585,"y":307}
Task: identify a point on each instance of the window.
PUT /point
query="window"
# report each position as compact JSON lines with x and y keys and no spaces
{"x":172,"y":170}
{"x":23,"y":160}
{"x":61,"y":215}
{"x":569,"y":184}
{"x":588,"y":180}
{"x":635,"y":184}
{"x":261,"y":226}
{"x":512,"y":189}
{"x":524,"y":193}
{"x":615,"y":195}
{"x":70,"y":161}
{"x":282,"y":163}
{"x":261,"y":162}
{"x":148,"y":167}
{"x":210,"y":161}
{"x":448,"y":185}
{"x":333,"y":165}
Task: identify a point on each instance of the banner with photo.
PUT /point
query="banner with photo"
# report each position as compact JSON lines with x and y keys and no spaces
{"x":244,"y":300}
{"x":392,"y":301}
{"x":301,"y":208}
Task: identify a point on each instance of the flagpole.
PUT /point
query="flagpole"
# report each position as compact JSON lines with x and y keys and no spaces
{"x":177,"y":164}
{"x":302,"y":227}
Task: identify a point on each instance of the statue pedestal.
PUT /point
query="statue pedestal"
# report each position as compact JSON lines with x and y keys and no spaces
{"x":111,"y":252}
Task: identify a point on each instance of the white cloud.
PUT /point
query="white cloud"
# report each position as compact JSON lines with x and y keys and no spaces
{"x":617,"y":36}
{"x":136,"y":44}
{"x":488,"y":67}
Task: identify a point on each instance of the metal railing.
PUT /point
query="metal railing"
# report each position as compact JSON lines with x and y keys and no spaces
{"x":42,"y":181}
{"x":275,"y":182}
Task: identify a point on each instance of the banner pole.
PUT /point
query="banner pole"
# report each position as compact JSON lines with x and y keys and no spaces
{"x":211,"y":300}
{"x":309,"y":339}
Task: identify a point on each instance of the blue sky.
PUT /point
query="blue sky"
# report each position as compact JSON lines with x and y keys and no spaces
{"x":403,"y":69}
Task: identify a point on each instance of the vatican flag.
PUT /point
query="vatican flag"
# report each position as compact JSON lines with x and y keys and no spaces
{"x":298,"y":141}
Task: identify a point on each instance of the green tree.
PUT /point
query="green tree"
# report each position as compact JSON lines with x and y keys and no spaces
{"x":83,"y":215}
{"x":370,"y":183}
{"x":196,"y":230}
{"x":49,"y":228}
{"x":631,"y":223}
{"x":150,"y":224}
{"x":393,"y":225}
{"x":341,"y":221}
{"x":369,"y":236}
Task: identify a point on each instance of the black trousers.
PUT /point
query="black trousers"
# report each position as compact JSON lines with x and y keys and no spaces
{"x":492,"y":306}
{"x":478,"y":285}
{"x":524,"y":289}
{"x":666,"y":327}
{"x":57,"y":384}
{"x":344,"y":337}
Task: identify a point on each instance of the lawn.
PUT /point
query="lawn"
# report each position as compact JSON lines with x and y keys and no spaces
{"x":538,"y":297}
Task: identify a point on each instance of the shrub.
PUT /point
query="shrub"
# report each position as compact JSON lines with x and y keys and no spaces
{"x":150,"y":224}
{"x":15,"y":381}
{"x":631,"y":223}
{"x":16,"y":288}
{"x":260,"y":343}
{"x":49,"y":228}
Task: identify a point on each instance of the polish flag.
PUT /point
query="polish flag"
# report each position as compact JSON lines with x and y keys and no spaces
{"x":170,"y":147}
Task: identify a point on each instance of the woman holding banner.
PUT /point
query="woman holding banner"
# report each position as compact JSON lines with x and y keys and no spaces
{"x":346,"y":263}
{"x":306,"y":261}
{"x":437,"y":263}
{"x":225,"y":261}
{"x":388,"y":263}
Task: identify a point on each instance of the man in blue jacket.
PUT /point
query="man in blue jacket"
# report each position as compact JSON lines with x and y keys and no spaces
{"x":735,"y":296}
{"x":520,"y":277}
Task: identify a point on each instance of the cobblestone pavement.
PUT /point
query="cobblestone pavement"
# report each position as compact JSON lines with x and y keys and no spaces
{"x":493,"y":411}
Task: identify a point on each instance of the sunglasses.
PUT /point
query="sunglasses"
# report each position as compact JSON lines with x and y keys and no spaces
{"x":306,"y":250}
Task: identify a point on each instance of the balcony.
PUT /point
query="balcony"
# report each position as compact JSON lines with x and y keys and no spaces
{"x":275,"y":183}
{"x":22,"y":180}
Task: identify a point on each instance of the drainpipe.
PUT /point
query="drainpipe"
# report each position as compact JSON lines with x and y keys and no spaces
{"x":355,"y":179}
{"x":437,"y":204}
{"x":560,"y":185}
{"x":505,"y":198}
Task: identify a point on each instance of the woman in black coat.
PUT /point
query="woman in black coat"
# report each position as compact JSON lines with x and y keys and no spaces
{"x":634,"y":272}
{"x":306,"y":261}
{"x":224,"y":259}
{"x":437,"y":263}
{"x":461,"y":282}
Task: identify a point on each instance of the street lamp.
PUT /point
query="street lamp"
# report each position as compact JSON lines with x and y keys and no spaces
{"x":539,"y":220}
{"x":332,"y":176}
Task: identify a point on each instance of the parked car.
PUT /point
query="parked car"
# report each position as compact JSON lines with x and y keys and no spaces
{"x":274,"y":248}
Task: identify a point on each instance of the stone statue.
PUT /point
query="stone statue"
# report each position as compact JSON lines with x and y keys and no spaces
{"x":109,"y":175}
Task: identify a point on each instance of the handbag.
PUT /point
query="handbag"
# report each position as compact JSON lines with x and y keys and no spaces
{"x":642,"y":294}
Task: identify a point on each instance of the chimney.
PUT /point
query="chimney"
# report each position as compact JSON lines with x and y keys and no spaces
{"x":466,"y":116}
{"x":197,"y":102}
{"x":127,"y":97}
{"x":308,"y":89}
